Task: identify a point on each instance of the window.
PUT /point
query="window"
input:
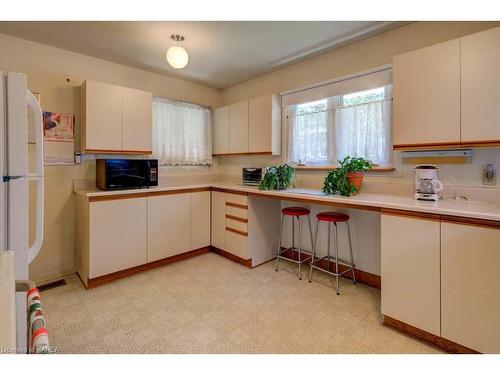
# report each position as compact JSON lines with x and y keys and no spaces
{"x":356,"y":124}
{"x":181,"y":133}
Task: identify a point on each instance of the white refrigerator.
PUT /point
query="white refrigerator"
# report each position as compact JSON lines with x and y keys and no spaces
{"x":15,"y":102}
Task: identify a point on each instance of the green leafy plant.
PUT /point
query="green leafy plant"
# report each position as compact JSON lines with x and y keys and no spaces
{"x":355,"y":164}
{"x":278,"y":178}
{"x":337,"y":181}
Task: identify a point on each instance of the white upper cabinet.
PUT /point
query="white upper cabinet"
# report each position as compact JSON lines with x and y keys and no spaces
{"x":115,"y":119}
{"x":238,"y":128}
{"x":426,"y":91}
{"x":101,"y":117}
{"x":136,"y":120}
{"x":480,"y":76}
{"x":264,"y":125}
{"x":249,"y":127}
{"x":221,"y":131}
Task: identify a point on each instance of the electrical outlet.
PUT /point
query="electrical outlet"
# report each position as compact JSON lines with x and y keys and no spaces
{"x":489,"y":175}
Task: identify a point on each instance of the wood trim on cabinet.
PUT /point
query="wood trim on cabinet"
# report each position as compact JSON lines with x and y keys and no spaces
{"x":240,"y":219}
{"x":119,"y":152}
{"x":241,"y":233}
{"x":169,"y":192}
{"x":144,"y":194}
{"x":243,"y":153}
{"x":411,"y":214}
{"x":470,"y":221}
{"x":413,"y":146}
{"x":92,"y":283}
{"x":234,"y":258}
{"x":439,"y":145}
{"x":318,"y":201}
{"x":236,"y":192}
{"x":489,"y":143}
{"x":101,"y":198}
{"x":237,"y":205}
{"x":440,"y":342}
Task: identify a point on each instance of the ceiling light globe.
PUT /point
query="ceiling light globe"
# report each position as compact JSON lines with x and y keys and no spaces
{"x":177,"y":57}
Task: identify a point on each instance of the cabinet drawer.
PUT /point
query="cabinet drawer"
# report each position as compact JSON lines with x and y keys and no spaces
{"x":236,"y":224}
{"x":237,"y":212}
{"x":236,"y":244}
{"x":237,"y":199}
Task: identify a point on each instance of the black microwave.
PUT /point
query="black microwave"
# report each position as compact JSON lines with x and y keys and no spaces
{"x":120,"y":174}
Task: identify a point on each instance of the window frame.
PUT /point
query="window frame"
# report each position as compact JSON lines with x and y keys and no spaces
{"x":385,"y":167}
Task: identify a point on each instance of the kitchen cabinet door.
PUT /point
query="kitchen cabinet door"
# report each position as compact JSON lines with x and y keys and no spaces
{"x":480,"y":93}
{"x":218,"y":220}
{"x":470,"y":286}
{"x":238,"y":128}
{"x":101,"y":117}
{"x":169,"y":218}
{"x":137,"y":125}
{"x":200,"y":219}
{"x":237,"y":244}
{"x":410,"y":271}
{"x":117,"y":235}
{"x":220,"y":142}
{"x":264,"y":125}
{"x":426,"y":92}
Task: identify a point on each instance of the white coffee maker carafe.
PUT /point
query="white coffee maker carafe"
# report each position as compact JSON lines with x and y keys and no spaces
{"x":427,"y":184}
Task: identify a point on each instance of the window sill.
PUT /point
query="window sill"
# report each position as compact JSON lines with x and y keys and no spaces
{"x":331,"y":167}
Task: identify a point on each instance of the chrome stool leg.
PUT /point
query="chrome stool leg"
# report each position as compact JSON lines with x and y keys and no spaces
{"x":337,"y":259}
{"x":299,"y":250}
{"x":329,"y":226}
{"x":279,"y":243}
{"x":352,"y":256}
{"x":313,"y":257}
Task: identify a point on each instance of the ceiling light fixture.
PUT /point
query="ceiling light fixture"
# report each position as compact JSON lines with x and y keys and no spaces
{"x":177,"y":57}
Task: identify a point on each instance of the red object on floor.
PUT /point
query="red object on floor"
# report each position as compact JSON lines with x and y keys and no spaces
{"x":332,"y":217}
{"x":295,"y":211}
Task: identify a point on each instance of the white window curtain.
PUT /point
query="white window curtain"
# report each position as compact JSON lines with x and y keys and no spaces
{"x":181,"y":133}
{"x":364,"y":130}
{"x":308,"y":135}
{"x":325,"y":131}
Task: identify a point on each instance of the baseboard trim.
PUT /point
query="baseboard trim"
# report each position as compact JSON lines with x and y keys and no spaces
{"x":362,"y":277}
{"x":234,"y":258}
{"x":439,"y":342}
{"x":92,"y":283}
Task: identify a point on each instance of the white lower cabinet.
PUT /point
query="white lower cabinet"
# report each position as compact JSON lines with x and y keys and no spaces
{"x":117,"y":235}
{"x":470,"y":286}
{"x":200,"y":219}
{"x":168,"y":225}
{"x":410,"y":268}
{"x":219,"y":220}
{"x":237,"y":244}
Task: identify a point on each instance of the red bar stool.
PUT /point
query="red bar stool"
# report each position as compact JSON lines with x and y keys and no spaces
{"x":333,"y":218}
{"x":294,"y":213}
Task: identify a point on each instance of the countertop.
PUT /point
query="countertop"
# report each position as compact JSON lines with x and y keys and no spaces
{"x":467,"y":209}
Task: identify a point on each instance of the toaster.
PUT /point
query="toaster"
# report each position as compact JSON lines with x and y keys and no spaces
{"x":251,"y":176}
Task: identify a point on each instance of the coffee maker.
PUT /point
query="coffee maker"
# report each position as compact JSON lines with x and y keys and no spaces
{"x":427,"y":184}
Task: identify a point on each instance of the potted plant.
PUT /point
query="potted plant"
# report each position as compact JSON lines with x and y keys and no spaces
{"x":278,"y":178}
{"x":347,"y":178}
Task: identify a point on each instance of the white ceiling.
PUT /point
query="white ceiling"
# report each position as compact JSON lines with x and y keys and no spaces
{"x":221,"y":54}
